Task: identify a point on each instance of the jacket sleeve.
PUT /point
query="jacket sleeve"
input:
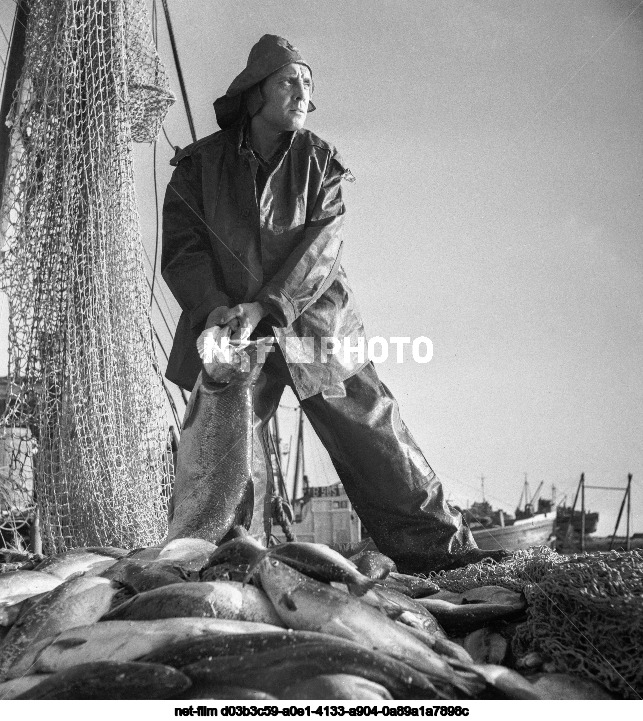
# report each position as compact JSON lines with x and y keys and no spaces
{"x":312,"y":267}
{"x":187,"y":262}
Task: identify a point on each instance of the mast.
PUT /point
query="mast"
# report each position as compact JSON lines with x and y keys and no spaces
{"x":15,"y":61}
{"x":275,"y":457}
{"x":299,"y":459}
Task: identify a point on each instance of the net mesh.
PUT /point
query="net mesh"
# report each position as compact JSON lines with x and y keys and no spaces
{"x":585,"y":612}
{"x":84,"y":389}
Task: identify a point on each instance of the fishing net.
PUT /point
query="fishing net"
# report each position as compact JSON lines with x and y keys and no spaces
{"x":585,"y":612}
{"x":523,"y":567}
{"x":85,"y":396}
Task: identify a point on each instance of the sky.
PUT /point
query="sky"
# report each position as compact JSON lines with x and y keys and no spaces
{"x":498,"y":152}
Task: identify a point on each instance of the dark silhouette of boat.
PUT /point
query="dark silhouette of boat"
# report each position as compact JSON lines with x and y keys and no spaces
{"x":564,"y":515}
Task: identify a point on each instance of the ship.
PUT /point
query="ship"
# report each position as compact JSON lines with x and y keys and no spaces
{"x":531,"y":525}
{"x":565,"y":515}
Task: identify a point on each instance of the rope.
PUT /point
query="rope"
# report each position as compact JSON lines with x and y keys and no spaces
{"x":283,"y":515}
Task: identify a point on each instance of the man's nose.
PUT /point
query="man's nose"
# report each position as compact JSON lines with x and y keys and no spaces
{"x":302,"y":90}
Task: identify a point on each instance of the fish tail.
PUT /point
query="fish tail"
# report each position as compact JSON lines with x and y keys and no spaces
{"x":360,"y":587}
{"x":254,"y":565}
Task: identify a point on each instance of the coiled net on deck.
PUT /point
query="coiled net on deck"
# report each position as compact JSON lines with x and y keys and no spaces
{"x":522,"y":568}
{"x":84,"y":384}
{"x":585,"y":612}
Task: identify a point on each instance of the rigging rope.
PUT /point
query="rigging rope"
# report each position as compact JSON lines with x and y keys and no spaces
{"x":179,"y":70}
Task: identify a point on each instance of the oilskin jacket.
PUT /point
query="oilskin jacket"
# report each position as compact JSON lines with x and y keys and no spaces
{"x":223,"y":245}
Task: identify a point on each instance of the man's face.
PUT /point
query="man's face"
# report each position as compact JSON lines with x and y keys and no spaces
{"x":286,"y":93}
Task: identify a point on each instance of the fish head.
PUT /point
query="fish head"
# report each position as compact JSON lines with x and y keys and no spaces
{"x":279,"y":581}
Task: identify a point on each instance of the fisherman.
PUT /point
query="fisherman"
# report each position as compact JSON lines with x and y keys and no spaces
{"x":252,"y":237}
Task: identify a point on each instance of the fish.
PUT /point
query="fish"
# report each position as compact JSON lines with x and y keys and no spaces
{"x":434,"y":639}
{"x":186,"y":651}
{"x":75,"y":602}
{"x":416,"y":618}
{"x":393,"y":603}
{"x":375,"y":565}
{"x":148,"y":553}
{"x":271,"y":671}
{"x":336,"y":687}
{"x":320,"y":562}
{"x":450,"y":596}
{"x":14,"y":687}
{"x":483,"y":594}
{"x":220,"y":599}
{"x":111,"y":680}
{"x":468,"y":616}
{"x":140,"y":576}
{"x":64,"y":565}
{"x":214,"y":486}
{"x":494,"y":594}
{"x":510,"y":683}
{"x":241,"y":551}
{"x":111,"y":551}
{"x":308,"y":605}
{"x":191,"y":554}
{"x":15,"y":586}
{"x":564,"y":686}
{"x":486,"y":646}
{"x":412,"y":586}
{"x":126,"y":641}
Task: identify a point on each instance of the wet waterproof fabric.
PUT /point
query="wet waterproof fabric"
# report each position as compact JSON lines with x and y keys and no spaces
{"x":393,"y":489}
{"x":222,"y":246}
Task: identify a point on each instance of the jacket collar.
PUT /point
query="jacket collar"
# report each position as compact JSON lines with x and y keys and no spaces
{"x":242,"y":139}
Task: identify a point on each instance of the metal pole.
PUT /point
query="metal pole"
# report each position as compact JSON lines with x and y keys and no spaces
{"x":571,"y":515}
{"x":629,"y":510}
{"x":298,"y":455}
{"x":618,"y":519}
{"x":582,"y":512}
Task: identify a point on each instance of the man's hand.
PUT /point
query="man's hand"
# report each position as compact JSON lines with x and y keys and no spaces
{"x":220,"y":316}
{"x":248,"y":315}
{"x":239,"y":321}
{"x":216,"y":326}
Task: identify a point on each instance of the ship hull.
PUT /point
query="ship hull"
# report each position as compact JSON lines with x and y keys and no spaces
{"x":535,"y":531}
{"x":591,"y":521}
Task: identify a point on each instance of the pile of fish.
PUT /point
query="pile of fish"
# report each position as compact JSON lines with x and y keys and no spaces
{"x":191,"y":620}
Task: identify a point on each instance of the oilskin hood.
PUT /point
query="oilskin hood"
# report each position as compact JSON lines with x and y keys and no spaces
{"x":266,"y":57}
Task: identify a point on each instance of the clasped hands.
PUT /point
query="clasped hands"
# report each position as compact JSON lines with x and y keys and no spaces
{"x":236,"y":323}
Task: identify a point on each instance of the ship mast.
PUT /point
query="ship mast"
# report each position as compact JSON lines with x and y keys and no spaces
{"x":15,"y":61}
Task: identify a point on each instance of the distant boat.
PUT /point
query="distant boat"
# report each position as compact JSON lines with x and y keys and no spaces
{"x":496,"y":529}
{"x":537,"y":530}
{"x":564,"y":515}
